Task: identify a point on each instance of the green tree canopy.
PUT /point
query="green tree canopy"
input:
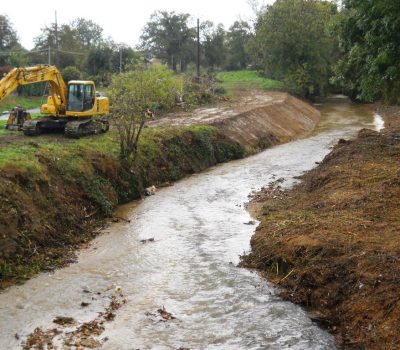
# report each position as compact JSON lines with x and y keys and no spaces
{"x":214,"y":45}
{"x":292,"y":44}
{"x":71,"y":73}
{"x":9,"y":42}
{"x":8,"y":36}
{"x":88,"y":33}
{"x":169,"y":37}
{"x":238,"y":38}
{"x":69,"y":44}
{"x":369,"y":36}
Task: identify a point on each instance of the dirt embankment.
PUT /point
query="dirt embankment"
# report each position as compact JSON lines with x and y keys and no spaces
{"x":333,"y":241}
{"x":54,"y":195}
{"x":257,"y":120}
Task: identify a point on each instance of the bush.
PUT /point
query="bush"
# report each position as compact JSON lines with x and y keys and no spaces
{"x":134,"y":97}
{"x":71,"y":73}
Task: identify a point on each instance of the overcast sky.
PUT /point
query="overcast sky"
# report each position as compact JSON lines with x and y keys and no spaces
{"x":122,"y":20}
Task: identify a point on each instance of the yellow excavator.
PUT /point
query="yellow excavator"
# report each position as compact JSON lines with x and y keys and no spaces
{"x":70,"y":108}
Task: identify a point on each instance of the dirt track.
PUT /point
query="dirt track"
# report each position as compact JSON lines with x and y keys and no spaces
{"x":333,"y":241}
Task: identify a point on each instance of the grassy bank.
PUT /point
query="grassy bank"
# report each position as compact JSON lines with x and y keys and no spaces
{"x":333,"y":241}
{"x":27,"y":102}
{"x":54,"y":192}
{"x":246,"y":79}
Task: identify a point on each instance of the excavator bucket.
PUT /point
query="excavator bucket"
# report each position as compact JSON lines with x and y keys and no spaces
{"x":17,"y":118}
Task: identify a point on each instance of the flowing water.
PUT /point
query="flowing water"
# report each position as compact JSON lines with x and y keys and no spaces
{"x":199,"y":227}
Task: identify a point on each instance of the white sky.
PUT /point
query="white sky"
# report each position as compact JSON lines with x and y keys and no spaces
{"x":122,"y":20}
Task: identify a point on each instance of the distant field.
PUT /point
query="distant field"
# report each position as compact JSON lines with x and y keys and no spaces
{"x":246,"y":79}
{"x":12,"y":101}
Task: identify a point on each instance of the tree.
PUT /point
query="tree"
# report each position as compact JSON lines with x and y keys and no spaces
{"x":238,"y":38}
{"x":8,"y":36}
{"x":71,"y":73}
{"x":99,"y":63}
{"x":168,"y":36}
{"x":69,"y":43}
{"x":125,"y":56}
{"x":88,"y":32}
{"x":132,"y":95}
{"x":65,"y":49}
{"x":8,"y":41}
{"x":369,"y":37}
{"x":214,"y":46}
{"x":292,"y":44}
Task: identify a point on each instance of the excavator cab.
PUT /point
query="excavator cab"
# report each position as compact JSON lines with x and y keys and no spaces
{"x":81,"y":96}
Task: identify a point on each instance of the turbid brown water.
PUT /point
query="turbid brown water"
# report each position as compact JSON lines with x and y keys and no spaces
{"x":199,"y":230}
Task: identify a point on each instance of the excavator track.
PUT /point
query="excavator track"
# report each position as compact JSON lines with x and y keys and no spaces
{"x":43,"y":125}
{"x":31,"y":128}
{"x":71,"y":128}
{"x":79,"y":128}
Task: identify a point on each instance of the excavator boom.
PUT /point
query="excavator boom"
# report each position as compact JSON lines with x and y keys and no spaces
{"x":37,"y":74}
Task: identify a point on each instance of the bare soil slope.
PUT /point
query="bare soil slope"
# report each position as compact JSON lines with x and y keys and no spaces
{"x":257,"y":119}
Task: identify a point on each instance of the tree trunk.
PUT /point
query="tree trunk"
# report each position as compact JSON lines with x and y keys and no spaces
{"x":173,"y":63}
{"x":183,"y":66}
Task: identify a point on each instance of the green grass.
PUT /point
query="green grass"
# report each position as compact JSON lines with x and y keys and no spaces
{"x":246,"y":79}
{"x":27,"y":102}
{"x":73,"y":151}
{"x":3,"y":131}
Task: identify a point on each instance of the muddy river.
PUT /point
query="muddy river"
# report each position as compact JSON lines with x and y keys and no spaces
{"x":200,"y":228}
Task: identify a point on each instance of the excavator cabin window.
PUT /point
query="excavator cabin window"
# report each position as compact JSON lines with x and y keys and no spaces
{"x":80,"y":97}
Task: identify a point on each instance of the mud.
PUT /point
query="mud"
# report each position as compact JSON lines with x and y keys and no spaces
{"x":333,"y":240}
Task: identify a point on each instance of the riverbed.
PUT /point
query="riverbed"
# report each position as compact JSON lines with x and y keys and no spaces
{"x":200,"y":228}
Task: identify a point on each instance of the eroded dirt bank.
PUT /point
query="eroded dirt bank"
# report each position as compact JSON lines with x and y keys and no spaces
{"x":256,"y":121}
{"x":55,"y":198}
{"x":333,"y":241}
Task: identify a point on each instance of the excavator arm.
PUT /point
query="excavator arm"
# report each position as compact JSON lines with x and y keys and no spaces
{"x":37,"y":74}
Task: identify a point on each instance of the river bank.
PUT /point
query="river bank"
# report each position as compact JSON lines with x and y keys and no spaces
{"x":178,"y":251}
{"x":55,"y":193}
{"x":332,"y":241}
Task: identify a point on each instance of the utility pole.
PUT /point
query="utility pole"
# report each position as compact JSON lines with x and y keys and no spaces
{"x":120,"y":59}
{"x":49,"y":54}
{"x":198,"y":49}
{"x":56,"y":34}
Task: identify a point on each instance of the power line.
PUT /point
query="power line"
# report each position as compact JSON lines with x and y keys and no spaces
{"x":38,"y":51}
{"x":70,"y":52}
{"x":22,"y":51}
